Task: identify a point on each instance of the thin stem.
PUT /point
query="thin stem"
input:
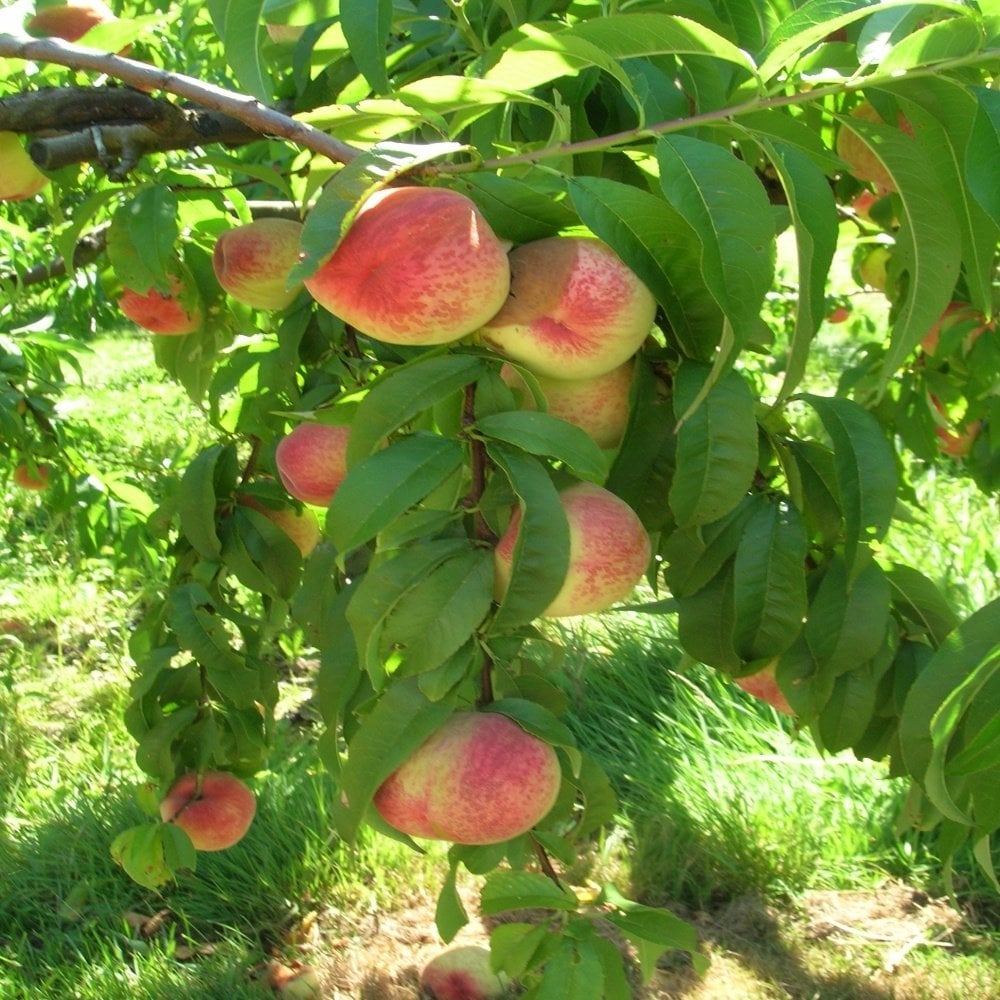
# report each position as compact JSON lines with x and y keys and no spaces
{"x":545,"y":862}
{"x":465,"y":26}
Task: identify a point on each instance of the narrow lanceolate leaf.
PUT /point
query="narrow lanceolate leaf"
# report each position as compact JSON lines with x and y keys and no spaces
{"x":433,"y":619}
{"x":921,"y":603}
{"x":656,"y":242}
{"x":199,"y":630}
{"x":724,"y":202}
{"x":404,"y":393}
{"x":716,"y":446}
{"x":541,"y":554}
{"x":933,"y":43}
{"x":865,"y":466}
{"x":706,"y":623}
{"x":241,"y":37}
{"x":367,"y":24}
{"x":512,"y":890}
{"x":400,"y":721}
{"x":385,"y":485}
{"x":814,"y":216}
{"x":971,"y":647}
{"x":198,"y":497}
{"x":770,"y":582}
{"x":142,"y":239}
{"x":846,"y":715}
{"x":943,"y":115}
{"x":543,"y":434}
{"x":928,"y":251}
{"x":981,"y":153}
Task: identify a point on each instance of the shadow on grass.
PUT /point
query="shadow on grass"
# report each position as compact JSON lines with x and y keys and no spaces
{"x":64,"y":906}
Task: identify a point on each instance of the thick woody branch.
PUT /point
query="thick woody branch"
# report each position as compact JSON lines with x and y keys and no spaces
{"x":57,"y":109}
{"x":259,"y":118}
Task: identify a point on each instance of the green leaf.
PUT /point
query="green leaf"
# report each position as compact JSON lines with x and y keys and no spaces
{"x":847,"y":713}
{"x":262,"y":556}
{"x":928,"y":251}
{"x":919,"y":600}
{"x":380,"y":591}
{"x":575,"y":970}
{"x":724,"y":203}
{"x":814,"y":216}
{"x":240,"y":30}
{"x":769,"y":582}
{"x":514,"y":890}
{"x":706,"y":623}
{"x":716,"y":445}
{"x":197,"y":498}
{"x":937,"y":42}
{"x":139,"y":850}
{"x":142,"y":239}
{"x":380,"y":489}
{"x":656,"y":242}
{"x":516,"y":948}
{"x":616,"y":985}
{"x":519,"y":210}
{"x":541,"y":554}
{"x":404,"y":393}
{"x":435,"y":617}
{"x":537,"y":720}
{"x":199,"y":630}
{"x":449,"y":914}
{"x":866,"y":470}
{"x":981,"y":152}
{"x":400,"y":722}
{"x":367,"y":24}
{"x":543,"y":434}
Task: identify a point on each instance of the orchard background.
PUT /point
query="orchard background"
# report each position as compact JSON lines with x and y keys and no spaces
{"x":730,"y":155}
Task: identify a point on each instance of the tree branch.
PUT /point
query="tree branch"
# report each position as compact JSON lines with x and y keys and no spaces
{"x":259,"y":118}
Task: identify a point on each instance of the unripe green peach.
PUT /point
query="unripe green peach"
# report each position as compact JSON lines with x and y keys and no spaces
{"x":216,"y":815}
{"x":19,"y":177}
{"x":462,"y":973}
{"x":167,"y":315}
{"x":574,"y":311}
{"x":598,"y":405}
{"x":418,"y":266}
{"x":312,"y":461}
{"x":480,"y":779}
{"x":609,"y":552}
{"x":252,"y":262}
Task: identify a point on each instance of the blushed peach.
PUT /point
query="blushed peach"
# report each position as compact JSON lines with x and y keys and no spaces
{"x":32,"y":479}
{"x":462,"y":973}
{"x":480,"y":779}
{"x":609,"y":552}
{"x":418,"y":266}
{"x":167,"y":315}
{"x":312,"y":461}
{"x":574,"y":311}
{"x":216,"y":815}
{"x":764,"y":685}
{"x":252,"y":262}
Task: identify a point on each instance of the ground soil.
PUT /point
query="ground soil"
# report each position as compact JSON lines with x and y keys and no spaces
{"x":859,"y":945}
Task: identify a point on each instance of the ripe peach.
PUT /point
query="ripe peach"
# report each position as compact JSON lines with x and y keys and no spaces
{"x":166,"y":315}
{"x":462,"y":973}
{"x":214,"y":817}
{"x":301,"y":526}
{"x":764,"y":685}
{"x":956,"y":312}
{"x":28,"y":479}
{"x":574,"y":311}
{"x":839,"y":314}
{"x":609,"y":551}
{"x":70,"y":20}
{"x":19,"y":177}
{"x":861,"y":161}
{"x":599,"y":405}
{"x":252,"y":262}
{"x":418,"y":266}
{"x":312,"y":461}
{"x":480,"y":779}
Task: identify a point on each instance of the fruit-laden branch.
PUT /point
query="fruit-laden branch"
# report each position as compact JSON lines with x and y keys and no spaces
{"x":261,"y":119}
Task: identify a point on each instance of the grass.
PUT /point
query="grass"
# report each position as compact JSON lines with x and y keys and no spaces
{"x":725,"y":813}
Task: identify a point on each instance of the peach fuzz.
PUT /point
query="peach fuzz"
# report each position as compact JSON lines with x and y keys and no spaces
{"x":214,"y":817}
{"x":312,"y":461}
{"x":166,"y":315}
{"x":480,"y":779}
{"x":70,"y":21}
{"x":764,"y":685}
{"x":418,"y":266}
{"x":31,"y":479}
{"x":462,"y":973}
{"x":609,"y":551}
{"x":598,"y":405}
{"x":19,"y":177}
{"x":252,"y":262}
{"x":574,"y":311}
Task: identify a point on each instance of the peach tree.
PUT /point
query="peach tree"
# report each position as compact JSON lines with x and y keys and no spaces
{"x":381,"y":245}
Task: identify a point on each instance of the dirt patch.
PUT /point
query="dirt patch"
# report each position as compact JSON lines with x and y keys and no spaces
{"x":858,"y":945}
